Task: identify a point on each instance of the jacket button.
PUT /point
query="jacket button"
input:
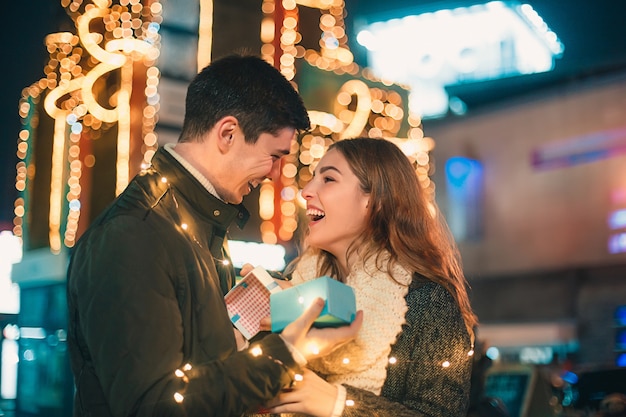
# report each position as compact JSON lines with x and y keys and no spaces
{"x":216,"y":213}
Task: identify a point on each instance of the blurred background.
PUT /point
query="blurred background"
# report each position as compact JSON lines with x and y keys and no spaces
{"x":513,"y":112}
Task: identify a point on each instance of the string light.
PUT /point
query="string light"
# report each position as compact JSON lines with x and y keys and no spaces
{"x":359,"y":109}
{"x":182,"y":374}
{"x":205,"y":33}
{"x":313,"y":348}
{"x":256,"y":351}
{"x":76,"y":63}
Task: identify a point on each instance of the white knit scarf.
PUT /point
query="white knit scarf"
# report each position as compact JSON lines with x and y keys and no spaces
{"x":362,"y":363}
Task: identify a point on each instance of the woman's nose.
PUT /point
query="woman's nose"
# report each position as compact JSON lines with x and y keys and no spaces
{"x":306,"y":191}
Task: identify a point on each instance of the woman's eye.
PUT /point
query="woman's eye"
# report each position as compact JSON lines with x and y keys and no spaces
{"x":328,"y":179}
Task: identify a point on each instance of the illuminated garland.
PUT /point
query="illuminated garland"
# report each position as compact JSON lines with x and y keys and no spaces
{"x":186,"y":373}
{"x":130,"y":34}
{"x":378,"y":112}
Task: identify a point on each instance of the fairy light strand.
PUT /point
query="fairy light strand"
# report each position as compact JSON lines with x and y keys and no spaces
{"x":379,"y":110}
{"x":76,"y":63}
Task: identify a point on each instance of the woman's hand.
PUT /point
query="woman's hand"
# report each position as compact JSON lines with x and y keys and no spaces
{"x":313,"y":342}
{"x":312,"y":396}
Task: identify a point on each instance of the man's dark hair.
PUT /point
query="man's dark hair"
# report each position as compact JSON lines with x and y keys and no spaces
{"x":248,"y":88}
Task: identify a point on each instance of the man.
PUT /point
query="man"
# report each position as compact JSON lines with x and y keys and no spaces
{"x":149,"y":334}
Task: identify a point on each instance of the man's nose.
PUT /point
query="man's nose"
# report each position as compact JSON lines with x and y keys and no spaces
{"x":274,"y":174}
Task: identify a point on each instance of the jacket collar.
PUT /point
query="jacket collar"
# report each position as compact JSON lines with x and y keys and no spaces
{"x":186,"y":184}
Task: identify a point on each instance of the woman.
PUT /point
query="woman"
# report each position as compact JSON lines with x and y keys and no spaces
{"x":372,"y":227}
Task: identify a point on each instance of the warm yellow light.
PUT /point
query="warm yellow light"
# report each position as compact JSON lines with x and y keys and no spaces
{"x":362,"y":110}
{"x":313,"y":348}
{"x":269,"y":238}
{"x":320,"y":4}
{"x":205,"y":33}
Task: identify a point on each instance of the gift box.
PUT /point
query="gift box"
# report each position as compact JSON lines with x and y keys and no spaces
{"x":288,"y":304}
{"x":249,"y":301}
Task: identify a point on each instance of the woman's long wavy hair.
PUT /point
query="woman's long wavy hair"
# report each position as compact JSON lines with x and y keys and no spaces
{"x":401,"y":221}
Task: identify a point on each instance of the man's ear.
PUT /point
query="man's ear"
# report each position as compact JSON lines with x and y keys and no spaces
{"x":226,"y":128}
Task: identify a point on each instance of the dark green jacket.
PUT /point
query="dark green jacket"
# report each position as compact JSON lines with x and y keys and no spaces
{"x":145,"y":296}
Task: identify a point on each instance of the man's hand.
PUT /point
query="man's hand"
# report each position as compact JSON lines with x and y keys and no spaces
{"x":312,"y":342}
{"x":242,"y":343}
{"x":311,"y":395}
{"x":245,"y":269}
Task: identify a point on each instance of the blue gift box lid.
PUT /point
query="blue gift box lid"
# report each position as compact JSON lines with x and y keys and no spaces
{"x":288,"y":304}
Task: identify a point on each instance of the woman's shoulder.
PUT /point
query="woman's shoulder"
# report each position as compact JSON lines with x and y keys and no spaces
{"x":425,"y":285}
{"x":426,"y":293}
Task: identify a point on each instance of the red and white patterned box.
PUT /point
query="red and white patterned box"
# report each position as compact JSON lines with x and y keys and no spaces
{"x":249,"y":301}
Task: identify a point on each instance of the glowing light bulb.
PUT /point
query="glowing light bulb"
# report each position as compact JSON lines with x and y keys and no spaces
{"x":392,"y":360}
{"x":298,"y":377}
{"x":350,"y":403}
{"x":163,"y":180}
{"x":225,"y":262}
{"x":346,"y":361}
{"x":256,"y":351}
{"x":301,"y":300}
{"x":187,"y":367}
{"x":445,"y":364}
{"x":178,"y":397}
{"x":312,"y":347}
{"x":470,"y":353}
{"x":184,"y":226}
{"x":179,"y":373}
